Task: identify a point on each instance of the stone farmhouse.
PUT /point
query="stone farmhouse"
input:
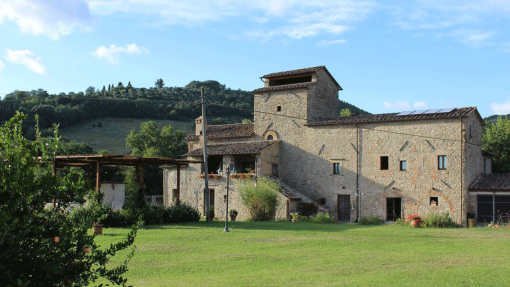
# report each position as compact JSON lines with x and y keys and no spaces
{"x":390,"y":165}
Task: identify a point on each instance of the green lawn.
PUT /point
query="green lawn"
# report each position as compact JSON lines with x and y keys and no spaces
{"x":112,"y":136}
{"x":306,"y":254}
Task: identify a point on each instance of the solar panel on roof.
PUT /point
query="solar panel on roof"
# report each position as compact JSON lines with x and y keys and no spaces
{"x":418,"y":112}
{"x":405,"y":113}
{"x":433,"y":111}
{"x":446,"y":110}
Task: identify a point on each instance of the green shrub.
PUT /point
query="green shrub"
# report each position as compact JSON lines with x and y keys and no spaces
{"x":307,"y":209}
{"x":261,"y":200}
{"x":322,"y":217}
{"x":371,"y":220}
{"x":439,"y":220}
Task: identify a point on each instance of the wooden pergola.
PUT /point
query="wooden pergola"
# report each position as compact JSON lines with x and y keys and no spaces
{"x":89,"y":161}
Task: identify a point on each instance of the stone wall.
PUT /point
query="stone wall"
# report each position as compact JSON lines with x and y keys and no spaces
{"x":323,"y":97}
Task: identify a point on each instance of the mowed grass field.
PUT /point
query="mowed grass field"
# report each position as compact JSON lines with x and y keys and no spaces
{"x":112,"y":136}
{"x":307,"y":254}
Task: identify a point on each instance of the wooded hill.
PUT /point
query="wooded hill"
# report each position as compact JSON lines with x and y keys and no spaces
{"x":225,"y":105}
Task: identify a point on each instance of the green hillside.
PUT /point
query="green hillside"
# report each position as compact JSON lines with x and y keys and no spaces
{"x":112,"y":135}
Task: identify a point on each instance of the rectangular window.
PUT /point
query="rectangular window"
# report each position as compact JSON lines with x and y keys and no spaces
{"x":278,"y":108}
{"x":337,"y":168}
{"x":403,"y":165}
{"x":434,"y":200}
{"x":384,"y":163}
{"x":175,"y":195}
{"x":485,"y":165}
{"x":442,"y":162}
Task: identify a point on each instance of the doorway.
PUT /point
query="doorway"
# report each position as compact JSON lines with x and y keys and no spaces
{"x":211,"y":202}
{"x":344,"y":208}
{"x":393,"y":208}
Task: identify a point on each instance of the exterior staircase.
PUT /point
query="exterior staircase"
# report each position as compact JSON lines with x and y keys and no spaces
{"x":293,"y":194}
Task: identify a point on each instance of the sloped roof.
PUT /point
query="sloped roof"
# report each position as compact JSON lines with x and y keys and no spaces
{"x":227,"y":131}
{"x":234,"y":148}
{"x":284,"y":87}
{"x":294,"y":72}
{"x":492,"y":182}
{"x":392,"y":117}
{"x":299,"y":72}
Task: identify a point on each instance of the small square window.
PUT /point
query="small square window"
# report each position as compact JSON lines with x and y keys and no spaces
{"x":384,"y":163}
{"x":175,"y":195}
{"x":442,"y":162}
{"x":278,"y":108}
{"x":403,"y":165}
{"x":434,"y":201}
{"x":337,"y":168}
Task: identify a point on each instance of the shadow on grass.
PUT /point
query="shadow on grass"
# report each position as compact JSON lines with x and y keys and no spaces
{"x":265,"y":225}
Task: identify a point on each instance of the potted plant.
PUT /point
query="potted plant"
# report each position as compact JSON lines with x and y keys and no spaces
{"x":242,"y":175}
{"x":97,"y":228}
{"x":295,"y":217}
{"x":415,"y":220}
{"x":234,"y":175}
{"x":217,"y":176}
{"x":202,"y":175}
{"x":211,"y":175}
{"x":233,"y":214}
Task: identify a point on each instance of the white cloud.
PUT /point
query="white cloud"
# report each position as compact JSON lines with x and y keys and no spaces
{"x":397,"y":106}
{"x":26,"y":58}
{"x":1,"y":64}
{"x":462,"y":20}
{"x":290,"y":18}
{"x":420,"y":105}
{"x":53,"y":18}
{"x":333,"y":42}
{"x":501,"y":109}
{"x":112,"y":53}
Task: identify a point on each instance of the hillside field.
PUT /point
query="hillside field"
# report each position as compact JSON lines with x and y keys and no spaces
{"x":112,"y":136}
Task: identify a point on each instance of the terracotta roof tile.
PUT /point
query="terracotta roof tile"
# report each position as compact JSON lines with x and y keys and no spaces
{"x":455,"y":113}
{"x":234,"y":148}
{"x":284,"y":87}
{"x":227,"y":131}
{"x":493,"y":182}
{"x":294,"y":72}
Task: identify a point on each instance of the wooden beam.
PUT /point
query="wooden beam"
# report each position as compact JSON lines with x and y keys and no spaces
{"x":98,"y":177}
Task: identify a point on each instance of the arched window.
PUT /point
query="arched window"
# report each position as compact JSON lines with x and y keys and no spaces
{"x":270,"y":137}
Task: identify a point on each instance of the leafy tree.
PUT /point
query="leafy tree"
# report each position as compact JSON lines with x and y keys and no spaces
{"x":345,"y":113}
{"x":129,"y":86}
{"x":47,"y":246}
{"x":159,"y":83}
{"x":261,"y":199}
{"x":90,"y":91}
{"x":496,"y":138}
{"x":120,"y":85}
{"x":247,"y":121}
{"x":150,"y":141}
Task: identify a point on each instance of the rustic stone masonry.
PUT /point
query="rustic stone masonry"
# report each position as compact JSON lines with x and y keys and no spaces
{"x":386,"y":164}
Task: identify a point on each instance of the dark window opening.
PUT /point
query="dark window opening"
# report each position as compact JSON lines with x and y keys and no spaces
{"x":321,"y":201}
{"x":213,"y":163}
{"x":288,"y":81}
{"x":274,"y":170}
{"x":200,"y":132}
{"x":470,"y":132}
{"x":278,"y":108}
{"x":384,"y":163}
{"x":403,"y":165}
{"x":493,"y":208}
{"x":434,"y":200}
{"x":211,"y":202}
{"x":484,"y":165}
{"x":270,"y":137}
{"x":393,"y":208}
{"x":337,"y":168}
{"x":442,"y":162}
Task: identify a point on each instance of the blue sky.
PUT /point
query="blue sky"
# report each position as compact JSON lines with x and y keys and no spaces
{"x":387,"y":55}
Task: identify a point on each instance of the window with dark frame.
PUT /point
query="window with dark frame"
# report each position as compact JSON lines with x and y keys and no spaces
{"x":270,"y":137}
{"x":337,"y":168}
{"x":384,"y":163}
{"x":403,"y":165}
{"x":175,"y":195}
{"x":434,"y":201}
{"x":278,"y":108}
{"x":442,"y":162}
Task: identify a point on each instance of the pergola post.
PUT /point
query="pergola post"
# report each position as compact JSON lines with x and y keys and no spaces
{"x":54,"y":172}
{"x":98,"y":177}
{"x":141,"y":174}
{"x":137,"y":175}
